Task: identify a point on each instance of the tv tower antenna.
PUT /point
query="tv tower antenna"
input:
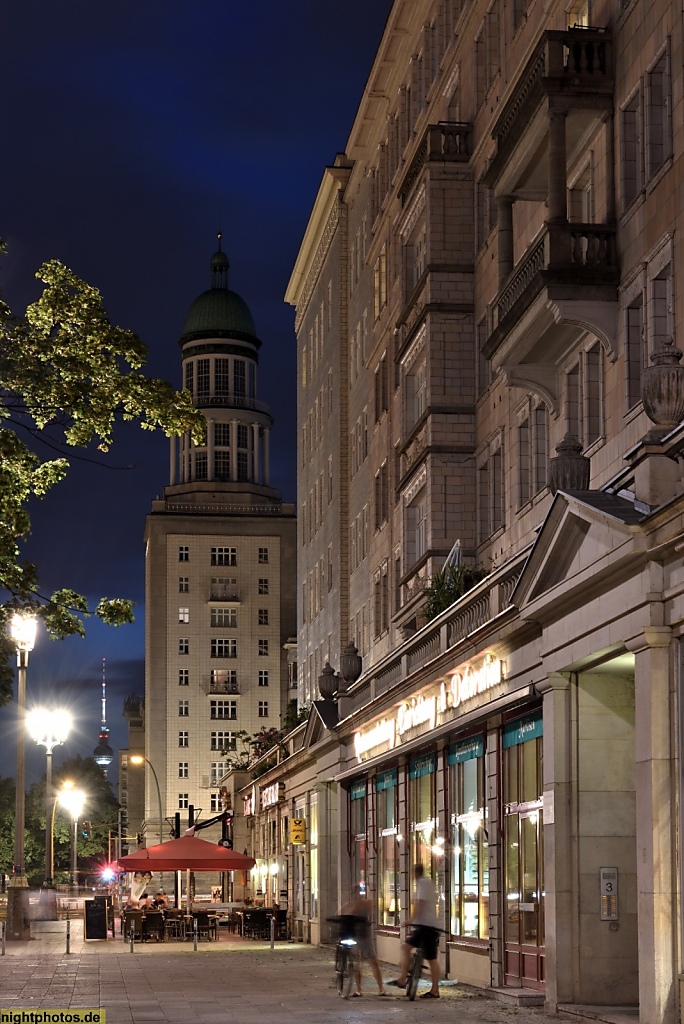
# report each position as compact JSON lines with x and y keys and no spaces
{"x":103,"y":754}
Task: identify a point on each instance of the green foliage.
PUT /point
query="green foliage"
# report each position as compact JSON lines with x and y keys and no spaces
{"x":67,"y":375}
{"x":252,"y":748}
{"x":100,"y":809}
{"x":295,"y":715}
{"x":448,"y":585}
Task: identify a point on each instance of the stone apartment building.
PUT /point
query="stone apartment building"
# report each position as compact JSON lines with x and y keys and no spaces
{"x":488,"y":306}
{"x":220,"y":571}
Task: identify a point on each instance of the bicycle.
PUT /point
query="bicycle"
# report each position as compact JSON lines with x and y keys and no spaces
{"x":346,"y":954}
{"x":415,"y":971}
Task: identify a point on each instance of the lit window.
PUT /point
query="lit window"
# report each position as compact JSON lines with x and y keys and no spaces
{"x":183,"y":614}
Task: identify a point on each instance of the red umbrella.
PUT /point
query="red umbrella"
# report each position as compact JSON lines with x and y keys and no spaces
{"x":187,"y":853}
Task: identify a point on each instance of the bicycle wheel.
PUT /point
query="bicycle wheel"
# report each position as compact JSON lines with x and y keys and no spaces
{"x":414,"y":974}
{"x":345,"y":973}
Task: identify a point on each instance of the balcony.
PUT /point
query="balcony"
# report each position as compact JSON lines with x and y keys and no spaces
{"x":569,"y":72}
{"x":221,"y":687}
{"x":458,"y":625}
{"x":446,"y":142}
{"x":565,"y":284}
{"x":224,"y":594}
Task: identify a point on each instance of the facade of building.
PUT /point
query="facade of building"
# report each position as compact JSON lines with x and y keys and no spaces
{"x":132,"y":776}
{"x":488,"y":310}
{"x":220,"y":572}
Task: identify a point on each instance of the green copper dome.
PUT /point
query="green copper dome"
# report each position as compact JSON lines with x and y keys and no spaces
{"x":219,"y":312}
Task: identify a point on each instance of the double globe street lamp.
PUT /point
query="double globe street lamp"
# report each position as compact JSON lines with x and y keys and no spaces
{"x":49,"y":728}
{"x":23,"y":633}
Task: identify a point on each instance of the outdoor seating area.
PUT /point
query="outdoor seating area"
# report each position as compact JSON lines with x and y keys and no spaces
{"x":169,"y":924}
{"x":255,"y":922}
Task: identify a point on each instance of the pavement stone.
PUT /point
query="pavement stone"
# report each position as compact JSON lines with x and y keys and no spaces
{"x":234,"y":980}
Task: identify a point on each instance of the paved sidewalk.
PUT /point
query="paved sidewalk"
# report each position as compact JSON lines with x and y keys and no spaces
{"x":234,"y":980}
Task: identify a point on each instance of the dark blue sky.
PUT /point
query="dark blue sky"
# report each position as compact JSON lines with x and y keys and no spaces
{"x":131,"y":131}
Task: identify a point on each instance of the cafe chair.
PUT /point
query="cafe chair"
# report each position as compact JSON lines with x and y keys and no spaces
{"x":205,"y":925}
{"x":153,"y":926}
{"x":132,"y":919}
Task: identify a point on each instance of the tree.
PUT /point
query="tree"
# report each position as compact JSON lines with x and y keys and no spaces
{"x":448,"y":585}
{"x":67,"y":375}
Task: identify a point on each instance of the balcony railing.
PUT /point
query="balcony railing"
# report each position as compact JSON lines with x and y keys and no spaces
{"x":226,"y":594}
{"x":577,"y":61}
{"x":232,"y":402}
{"x":490,"y":598}
{"x":577,"y":253}
{"x":448,"y":141}
{"x":217,"y":686}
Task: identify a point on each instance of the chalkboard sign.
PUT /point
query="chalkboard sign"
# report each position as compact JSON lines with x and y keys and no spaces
{"x":95,"y":918}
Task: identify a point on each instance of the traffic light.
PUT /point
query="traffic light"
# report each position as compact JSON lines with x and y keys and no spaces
{"x":85,"y":829}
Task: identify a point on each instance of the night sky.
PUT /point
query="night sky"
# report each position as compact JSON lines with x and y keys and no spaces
{"x":132,"y":132}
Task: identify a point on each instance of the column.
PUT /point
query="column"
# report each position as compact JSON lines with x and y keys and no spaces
{"x":655,"y":823}
{"x":561,"y":933}
{"x":233,"y":451}
{"x":173,"y":447}
{"x":557,"y":169}
{"x":504,"y":210}
{"x":210,"y":449}
{"x":267,"y":472}
{"x":255,"y":453}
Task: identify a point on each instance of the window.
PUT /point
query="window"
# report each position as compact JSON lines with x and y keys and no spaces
{"x":222,"y":466}
{"x":263,"y":677}
{"x":218,"y":769}
{"x":223,"y":709}
{"x":183,"y":801}
{"x":183,"y":553}
{"x":263,"y":586}
{"x":183,"y":676}
{"x":584,"y":396}
{"x":388,"y":838}
{"x":225,"y":647}
{"x":224,"y":556}
{"x":216,"y":803}
{"x":635,"y":349}
{"x":222,"y":435}
{"x":381,"y":389}
{"x":263,"y":616}
{"x":380,"y":282}
{"x":223,"y":741}
{"x":224,"y":617}
{"x":183,"y":645}
{"x":381,"y":496}
{"x":221,"y":377}
{"x":183,"y":614}
{"x":330,"y":568}
{"x":381,"y":600}
{"x":189,"y":372}
{"x":203,"y":378}
{"x":183,"y":708}
{"x":183,"y":584}
{"x":631,"y":150}
{"x":183,"y":739}
{"x":201,"y":464}
{"x":470,"y":869}
{"x":263,"y":709}
{"x":183,"y":770}
{"x":239,"y":378}
{"x":223,"y":680}
{"x":658,"y":127}
{"x":263,"y":648}
{"x":422,"y":813}
{"x":263,"y":556}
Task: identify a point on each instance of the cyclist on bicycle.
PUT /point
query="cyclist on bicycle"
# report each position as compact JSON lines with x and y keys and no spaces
{"x":425,"y":933}
{"x":361,"y":909}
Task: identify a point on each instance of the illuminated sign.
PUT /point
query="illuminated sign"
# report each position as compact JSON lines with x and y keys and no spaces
{"x":435,"y":705}
{"x":270,"y":795}
{"x":297,"y":831}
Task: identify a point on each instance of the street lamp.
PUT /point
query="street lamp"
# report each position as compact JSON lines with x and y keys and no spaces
{"x":141,"y":759}
{"x":73,"y":800}
{"x":48,"y":728}
{"x":23,"y":632}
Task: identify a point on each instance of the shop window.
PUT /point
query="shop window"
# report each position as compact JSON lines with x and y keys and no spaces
{"x":422,"y":818}
{"x":388,"y":844}
{"x":358,"y":836}
{"x":523,"y":867}
{"x":469,"y":868}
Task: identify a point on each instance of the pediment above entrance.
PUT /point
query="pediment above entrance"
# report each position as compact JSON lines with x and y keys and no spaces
{"x":586,"y":536}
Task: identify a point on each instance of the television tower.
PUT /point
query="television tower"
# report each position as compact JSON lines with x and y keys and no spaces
{"x":103,"y":755}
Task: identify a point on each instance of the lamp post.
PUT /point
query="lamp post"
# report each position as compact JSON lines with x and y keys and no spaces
{"x":23,"y":632}
{"x":48,"y":728}
{"x":73,"y":801}
{"x":141,"y":759}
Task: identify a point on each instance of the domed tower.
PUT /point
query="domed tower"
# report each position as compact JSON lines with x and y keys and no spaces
{"x":220,"y":353}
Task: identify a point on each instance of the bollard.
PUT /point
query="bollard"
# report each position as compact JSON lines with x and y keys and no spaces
{"x":273,"y":933}
{"x":3,"y":937}
{"x":131,"y":939}
{"x":68,"y":933}
{"x":194,"y":933}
